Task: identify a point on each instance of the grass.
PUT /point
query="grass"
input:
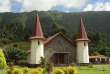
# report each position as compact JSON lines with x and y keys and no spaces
{"x":24,"y":45}
{"x":97,"y":69}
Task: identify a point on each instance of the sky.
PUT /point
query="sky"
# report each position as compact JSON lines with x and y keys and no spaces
{"x":18,"y":6}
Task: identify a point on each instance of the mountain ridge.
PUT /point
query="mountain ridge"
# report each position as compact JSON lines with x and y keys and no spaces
{"x":95,"y":20}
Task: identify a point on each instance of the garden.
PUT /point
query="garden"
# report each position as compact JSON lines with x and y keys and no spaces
{"x":45,"y":68}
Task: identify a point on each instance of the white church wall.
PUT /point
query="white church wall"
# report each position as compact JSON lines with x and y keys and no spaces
{"x":82,"y":52}
{"x":37,"y":51}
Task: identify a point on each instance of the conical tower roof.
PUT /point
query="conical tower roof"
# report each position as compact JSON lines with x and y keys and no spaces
{"x":81,"y":35}
{"x":37,"y":30}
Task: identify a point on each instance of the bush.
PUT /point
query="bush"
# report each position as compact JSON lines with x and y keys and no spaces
{"x":1,"y":45}
{"x":17,"y":71}
{"x":70,"y":70}
{"x":35,"y":71}
{"x":5,"y":40}
{"x":14,"y":71}
{"x":58,"y":71}
{"x":90,"y":65}
{"x":73,"y":64}
{"x":25,"y":70}
{"x":13,"y":53}
{"x":39,"y":69}
{"x":49,"y":67}
{"x":42,"y":62}
{"x":3,"y":64}
{"x":95,"y":53}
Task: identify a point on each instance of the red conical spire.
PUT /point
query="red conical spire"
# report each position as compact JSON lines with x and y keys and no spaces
{"x":37,"y":30}
{"x":81,"y":35}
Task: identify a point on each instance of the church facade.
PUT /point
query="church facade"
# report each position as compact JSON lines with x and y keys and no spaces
{"x":58,"y":48}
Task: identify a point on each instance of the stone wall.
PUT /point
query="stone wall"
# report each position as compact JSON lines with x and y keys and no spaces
{"x":60,"y":44}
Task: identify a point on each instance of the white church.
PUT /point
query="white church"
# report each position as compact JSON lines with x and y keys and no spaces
{"x":58,"y":48}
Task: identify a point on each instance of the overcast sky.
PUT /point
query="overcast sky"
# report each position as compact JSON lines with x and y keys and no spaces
{"x":60,"y":5}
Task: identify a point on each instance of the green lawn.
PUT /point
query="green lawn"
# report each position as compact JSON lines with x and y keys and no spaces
{"x":97,"y":69}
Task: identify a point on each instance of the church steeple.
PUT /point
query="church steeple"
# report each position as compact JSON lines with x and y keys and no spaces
{"x":81,"y":35}
{"x":37,"y":30}
{"x":82,"y":44}
{"x":37,"y":43}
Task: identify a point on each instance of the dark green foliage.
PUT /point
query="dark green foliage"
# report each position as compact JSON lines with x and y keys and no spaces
{"x":16,"y":27}
{"x":43,"y":62}
{"x":13,"y":53}
{"x":55,"y":28}
{"x":1,"y":45}
{"x":49,"y":67}
{"x":5,"y":40}
{"x":11,"y":32}
{"x":95,"y":53}
{"x":68,"y":20}
{"x":90,"y":65}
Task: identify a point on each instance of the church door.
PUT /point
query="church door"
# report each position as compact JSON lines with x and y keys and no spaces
{"x":59,"y":58}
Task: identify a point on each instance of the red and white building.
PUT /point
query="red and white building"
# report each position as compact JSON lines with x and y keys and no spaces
{"x":99,"y":59}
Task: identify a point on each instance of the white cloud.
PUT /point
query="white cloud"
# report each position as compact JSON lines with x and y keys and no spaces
{"x":89,"y":7}
{"x":45,"y":5}
{"x":5,"y":6}
{"x":98,"y":6}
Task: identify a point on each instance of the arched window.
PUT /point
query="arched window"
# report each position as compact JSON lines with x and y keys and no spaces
{"x":38,"y":42}
{"x":84,"y":44}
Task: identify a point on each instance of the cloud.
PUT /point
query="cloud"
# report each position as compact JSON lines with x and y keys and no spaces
{"x":89,"y":7}
{"x":45,"y":5}
{"x":98,"y":6}
{"x":5,"y":6}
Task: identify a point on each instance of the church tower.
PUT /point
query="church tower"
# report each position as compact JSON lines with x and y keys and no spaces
{"x":82,"y":45}
{"x":37,"y":43}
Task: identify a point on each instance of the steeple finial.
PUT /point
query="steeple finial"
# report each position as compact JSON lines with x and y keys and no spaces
{"x":81,"y":35}
{"x":37,"y":30}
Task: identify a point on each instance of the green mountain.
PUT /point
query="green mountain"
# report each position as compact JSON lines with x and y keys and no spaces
{"x":94,"y":20}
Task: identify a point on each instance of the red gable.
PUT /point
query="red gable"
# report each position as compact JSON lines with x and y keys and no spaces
{"x":54,"y":36}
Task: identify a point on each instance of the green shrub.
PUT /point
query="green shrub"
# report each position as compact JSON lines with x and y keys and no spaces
{"x":90,"y":66}
{"x":5,"y":40}
{"x":49,"y":67}
{"x":1,"y":45}
{"x":3,"y":64}
{"x":42,"y":62}
{"x":95,"y":53}
{"x":13,"y":53}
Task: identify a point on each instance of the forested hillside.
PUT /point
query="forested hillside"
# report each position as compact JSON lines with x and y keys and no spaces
{"x":16,"y":27}
{"x":94,"y":20}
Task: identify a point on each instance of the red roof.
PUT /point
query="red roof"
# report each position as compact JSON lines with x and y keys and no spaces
{"x":81,"y":35}
{"x":28,"y":51}
{"x":37,"y":30}
{"x":52,"y":37}
{"x":95,"y":56}
{"x":59,"y":33}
